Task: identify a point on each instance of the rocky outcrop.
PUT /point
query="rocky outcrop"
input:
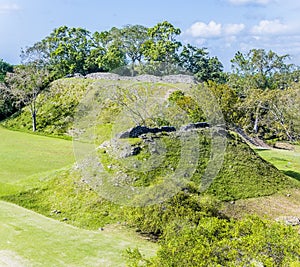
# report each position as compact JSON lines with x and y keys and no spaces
{"x":196,"y":125}
{"x":142,"y":130}
{"x":139,"y":130}
{"x":283,"y":145}
{"x":289,"y":220}
{"x":179,"y":78}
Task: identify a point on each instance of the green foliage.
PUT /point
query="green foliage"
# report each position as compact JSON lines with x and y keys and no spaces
{"x":162,"y":45}
{"x":271,"y":114}
{"x":4,"y":68}
{"x":187,"y":204}
{"x":196,"y":61}
{"x":133,"y":38}
{"x":259,"y":69}
{"x":56,"y":113}
{"x":134,"y":258}
{"x":218,"y":242}
{"x":188,"y":105}
{"x":68,"y":49}
{"x":7,"y":102}
{"x":227,"y":99}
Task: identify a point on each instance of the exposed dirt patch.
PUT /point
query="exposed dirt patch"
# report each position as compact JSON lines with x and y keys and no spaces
{"x":281,"y":204}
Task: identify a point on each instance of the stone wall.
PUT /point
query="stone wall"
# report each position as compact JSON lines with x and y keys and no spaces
{"x":180,"y":78}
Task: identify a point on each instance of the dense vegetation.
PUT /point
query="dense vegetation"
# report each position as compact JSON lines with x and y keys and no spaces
{"x":260,"y":95}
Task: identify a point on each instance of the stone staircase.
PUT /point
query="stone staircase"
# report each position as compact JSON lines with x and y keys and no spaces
{"x":250,"y":140}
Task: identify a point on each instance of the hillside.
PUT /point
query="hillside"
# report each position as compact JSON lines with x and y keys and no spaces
{"x":243,"y":173}
{"x":142,"y":143}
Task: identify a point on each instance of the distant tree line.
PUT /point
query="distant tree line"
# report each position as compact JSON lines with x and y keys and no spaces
{"x":144,"y":50}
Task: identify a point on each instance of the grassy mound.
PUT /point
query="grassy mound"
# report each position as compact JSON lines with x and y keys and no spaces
{"x":67,"y":196}
{"x":56,"y":107}
{"x":243,"y":174}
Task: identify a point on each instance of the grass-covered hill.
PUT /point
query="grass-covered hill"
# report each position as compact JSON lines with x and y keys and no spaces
{"x":243,"y":174}
{"x":69,"y":195}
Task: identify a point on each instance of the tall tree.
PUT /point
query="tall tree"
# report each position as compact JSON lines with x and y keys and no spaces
{"x":7,"y":105}
{"x":25,"y":84}
{"x":162,"y":45}
{"x":106,"y":53}
{"x":197,"y":61}
{"x":68,"y":50}
{"x":260,"y":67}
{"x":133,"y":39}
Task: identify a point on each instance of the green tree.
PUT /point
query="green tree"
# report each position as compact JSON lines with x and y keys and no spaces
{"x":106,"y":53}
{"x":25,"y":84}
{"x":196,"y":60}
{"x":68,"y":49}
{"x":133,"y":38}
{"x":7,"y":105}
{"x":261,"y":69}
{"x":218,"y":242}
{"x":228,"y":101}
{"x":162,"y":45}
{"x":4,"y":68}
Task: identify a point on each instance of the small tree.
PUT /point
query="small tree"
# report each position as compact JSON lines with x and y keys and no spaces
{"x":25,"y":84}
{"x":4,"y":68}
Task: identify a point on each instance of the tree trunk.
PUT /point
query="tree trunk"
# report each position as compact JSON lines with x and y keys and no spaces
{"x":33,"y":115}
{"x":132,"y":68}
{"x":255,"y":127}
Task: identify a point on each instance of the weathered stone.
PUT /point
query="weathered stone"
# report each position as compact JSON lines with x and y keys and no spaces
{"x":187,"y":79}
{"x":289,"y":220}
{"x":196,"y":125}
{"x":283,"y":145}
{"x":141,"y":130}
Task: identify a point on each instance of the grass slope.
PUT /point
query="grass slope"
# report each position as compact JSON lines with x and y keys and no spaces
{"x":35,"y":164}
{"x":285,"y":203}
{"x":29,"y":239}
{"x":243,"y":175}
{"x":23,"y":155}
{"x":285,"y":160}
{"x":56,"y":108}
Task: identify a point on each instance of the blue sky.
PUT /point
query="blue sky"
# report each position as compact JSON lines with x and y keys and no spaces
{"x":223,"y":26}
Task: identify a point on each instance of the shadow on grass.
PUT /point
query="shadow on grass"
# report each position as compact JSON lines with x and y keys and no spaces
{"x":295,"y":175}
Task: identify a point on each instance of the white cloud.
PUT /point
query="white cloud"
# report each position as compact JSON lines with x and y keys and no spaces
{"x":213,"y":29}
{"x":270,"y":27}
{"x":201,"y":29}
{"x":247,"y":2}
{"x":7,"y":8}
{"x":233,"y":29}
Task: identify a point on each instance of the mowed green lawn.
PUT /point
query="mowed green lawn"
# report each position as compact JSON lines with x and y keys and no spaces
{"x":30,"y":239}
{"x":23,"y":154}
{"x":285,"y":160}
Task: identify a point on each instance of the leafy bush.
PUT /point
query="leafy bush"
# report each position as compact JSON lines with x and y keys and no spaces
{"x":218,"y":242}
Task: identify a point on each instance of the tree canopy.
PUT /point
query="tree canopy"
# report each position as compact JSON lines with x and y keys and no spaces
{"x":4,"y":68}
